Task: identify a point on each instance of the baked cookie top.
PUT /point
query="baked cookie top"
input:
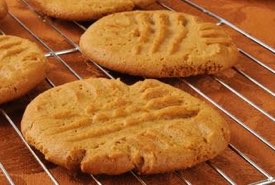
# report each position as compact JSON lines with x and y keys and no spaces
{"x":3,"y":9}
{"x":158,"y":44}
{"x":104,"y":126}
{"x":22,"y":67}
{"x":83,"y":10}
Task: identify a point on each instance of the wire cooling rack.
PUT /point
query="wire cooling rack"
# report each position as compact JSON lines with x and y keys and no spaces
{"x":268,"y":178}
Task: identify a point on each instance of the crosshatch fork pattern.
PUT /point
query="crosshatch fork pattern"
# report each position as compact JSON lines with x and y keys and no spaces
{"x":56,"y":54}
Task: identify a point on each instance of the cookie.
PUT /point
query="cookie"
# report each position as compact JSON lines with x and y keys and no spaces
{"x":22,"y":67}
{"x":83,"y":10}
{"x":3,"y":9}
{"x":158,"y":44}
{"x":104,"y":126}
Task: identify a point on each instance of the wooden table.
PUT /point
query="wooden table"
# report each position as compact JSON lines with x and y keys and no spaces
{"x":248,"y":107}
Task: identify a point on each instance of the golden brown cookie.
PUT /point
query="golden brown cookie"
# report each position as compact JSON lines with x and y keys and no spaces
{"x":22,"y":67}
{"x":104,"y":126}
{"x":82,"y":10}
{"x":3,"y":9}
{"x":158,"y":44}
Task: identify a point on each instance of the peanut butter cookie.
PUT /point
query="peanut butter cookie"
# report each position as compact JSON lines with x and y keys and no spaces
{"x":104,"y":126}
{"x":83,"y":10}
{"x":158,"y":44}
{"x":22,"y":67}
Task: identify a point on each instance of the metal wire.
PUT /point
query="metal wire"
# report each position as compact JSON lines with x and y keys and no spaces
{"x":179,"y":175}
{"x":231,"y":146}
{"x":7,"y":175}
{"x":252,"y":163}
{"x":54,"y":181}
{"x":264,"y":182}
{"x":257,"y":61}
{"x":230,"y":115}
{"x":80,"y":26}
{"x":62,"y":52}
{"x":254,"y":81}
{"x":49,"y":81}
{"x":245,"y":99}
{"x":250,"y":56}
{"x":138,"y":178}
{"x":224,"y":21}
{"x":95,"y":179}
{"x":219,"y":171}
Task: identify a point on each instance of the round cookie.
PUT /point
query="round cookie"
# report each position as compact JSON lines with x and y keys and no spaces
{"x":83,"y":10}
{"x":104,"y":126}
{"x":158,"y":44}
{"x":3,"y":9}
{"x":22,"y":67}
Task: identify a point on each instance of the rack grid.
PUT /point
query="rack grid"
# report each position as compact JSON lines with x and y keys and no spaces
{"x":269,"y":179}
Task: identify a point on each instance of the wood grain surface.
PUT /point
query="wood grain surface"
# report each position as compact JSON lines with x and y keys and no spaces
{"x":256,"y":17}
